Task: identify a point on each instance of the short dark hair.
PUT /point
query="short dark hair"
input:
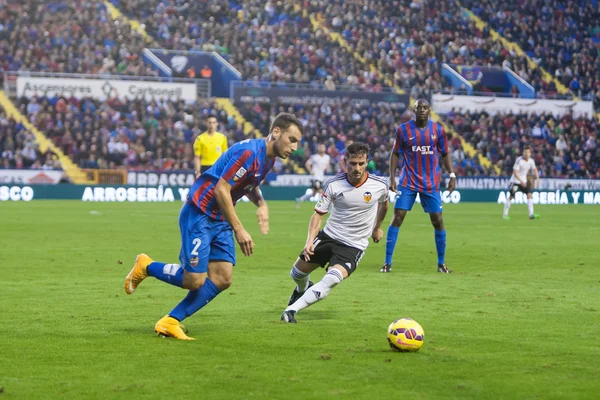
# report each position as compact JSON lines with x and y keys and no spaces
{"x":212,"y":116}
{"x":284,"y":120}
{"x":356,"y":149}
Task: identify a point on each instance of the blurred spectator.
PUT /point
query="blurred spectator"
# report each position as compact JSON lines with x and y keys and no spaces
{"x":112,"y":134}
{"x":561,"y":36}
{"x":68,"y":36}
{"x":563,"y":147}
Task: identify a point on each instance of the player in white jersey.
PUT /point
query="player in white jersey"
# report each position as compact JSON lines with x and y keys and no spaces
{"x":359,"y":203}
{"x":518,"y":182}
{"x":316,"y":165}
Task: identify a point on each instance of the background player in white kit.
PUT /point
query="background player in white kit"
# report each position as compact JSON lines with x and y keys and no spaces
{"x":518,"y":182}
{"x":359,"y":203}
{"x":316,"y":165}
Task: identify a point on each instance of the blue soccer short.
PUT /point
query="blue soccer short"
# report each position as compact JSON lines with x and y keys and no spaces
{"x":431,"y":202}
{"x":203,"y":239}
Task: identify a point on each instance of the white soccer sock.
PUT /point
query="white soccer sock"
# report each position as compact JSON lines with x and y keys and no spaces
{"x":319,"y":291}
{"x":301,"y":279}
{"x":506,"y":207}
{"x":530,"y":206}
{"x":306,"y":197}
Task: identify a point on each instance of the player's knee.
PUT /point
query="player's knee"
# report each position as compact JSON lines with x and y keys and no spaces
{"x":193,"y":282}
{"x":438,"y":222}
{"x":397,"y":220}
{"x":223,"y":282}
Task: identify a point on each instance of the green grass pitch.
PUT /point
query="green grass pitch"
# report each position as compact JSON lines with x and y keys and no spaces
{"x":519,"y":318}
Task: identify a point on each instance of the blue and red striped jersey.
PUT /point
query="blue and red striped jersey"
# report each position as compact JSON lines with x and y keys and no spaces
{"x":244,"y":166}
{"x":420,"y":151}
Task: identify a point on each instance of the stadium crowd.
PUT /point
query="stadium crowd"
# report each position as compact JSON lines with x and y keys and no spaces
{"x":561,"y":36}
{"x":562,"y":147}
{"x":410,"y":40}
{"x":68,"y":36}
{"x":273,"y":41}
{"x":334,"y":125}
{"x":135,"y":135}
{"x":266,"y":41}
{"x":18,"y":148}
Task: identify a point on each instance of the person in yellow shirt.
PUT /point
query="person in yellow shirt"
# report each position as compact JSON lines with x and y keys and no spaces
{"x":208,"y":147}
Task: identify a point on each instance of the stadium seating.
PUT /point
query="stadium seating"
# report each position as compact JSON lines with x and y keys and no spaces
{"x":333,"y":125}
{"x":266,"y":41}
{"x":135,"y":135}
{"x":563,"y":37}
{"x":274,"y":41}
{"x":409,"y":41}
{"x":562,"y":147}
{"x":18,"y":148}
{"x":68,"y":36}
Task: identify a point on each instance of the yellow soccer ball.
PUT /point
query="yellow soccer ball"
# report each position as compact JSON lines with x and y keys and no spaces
{"x":404,"y":334}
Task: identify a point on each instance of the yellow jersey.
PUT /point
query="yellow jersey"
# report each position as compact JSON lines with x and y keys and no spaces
{"x":210,"y":147}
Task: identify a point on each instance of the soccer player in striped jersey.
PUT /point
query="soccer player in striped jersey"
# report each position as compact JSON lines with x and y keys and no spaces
{"x":420,"y":142}
{"x":208,"y":223}
{"x":359,"y":203}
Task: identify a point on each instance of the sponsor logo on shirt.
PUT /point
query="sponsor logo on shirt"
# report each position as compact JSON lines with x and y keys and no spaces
{"x":423,"y":149}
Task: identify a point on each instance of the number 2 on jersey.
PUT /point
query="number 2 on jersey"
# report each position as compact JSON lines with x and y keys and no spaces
{"x":197,"y":242}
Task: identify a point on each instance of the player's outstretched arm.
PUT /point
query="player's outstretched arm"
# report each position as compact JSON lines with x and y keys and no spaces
{"x":393,"y":166}
{"x":382,"y":210}
{"x":447,"y":163}
{"x":263,"y":210}
{"x":314,"y":226}
{"x":223,"y":196}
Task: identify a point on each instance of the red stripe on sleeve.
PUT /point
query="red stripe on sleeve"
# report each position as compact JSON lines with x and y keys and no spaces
{"x":237,"y":165}
{"x":427,"y":160}
{"x":200,"y":190}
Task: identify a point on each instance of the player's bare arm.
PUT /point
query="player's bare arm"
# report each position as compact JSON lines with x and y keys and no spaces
{"x":223,"y":196}
{"x":262,"y":211}
{"x":314,"y":226}
{"x":382,"y":210}
{"x":308,"y":166}
{"x":524,"y":184}
{"x":197,"y":164}
{"x":394,"y":157}
{"x":447,"y":163}
{"x":537,"y":177}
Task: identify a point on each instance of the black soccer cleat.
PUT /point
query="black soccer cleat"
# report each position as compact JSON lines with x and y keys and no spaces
{"x":443,"y":269}
{"x":289,"y":317}
{"x":386,"y":268}
{"x":296,"y":295}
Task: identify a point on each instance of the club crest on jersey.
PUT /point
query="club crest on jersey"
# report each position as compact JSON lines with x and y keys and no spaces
{"x":434,"y":136}
{"x":368,"y":196}
{"x":239,"y":174}
{"x":194,"y":261}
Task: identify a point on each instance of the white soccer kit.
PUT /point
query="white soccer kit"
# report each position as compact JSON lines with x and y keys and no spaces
{"x":522,"y":168}
{"x":353,"y":209}
{"x":319,"y":165}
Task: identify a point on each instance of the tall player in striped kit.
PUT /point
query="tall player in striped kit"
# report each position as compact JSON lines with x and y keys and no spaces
{"x":420,"y":142}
